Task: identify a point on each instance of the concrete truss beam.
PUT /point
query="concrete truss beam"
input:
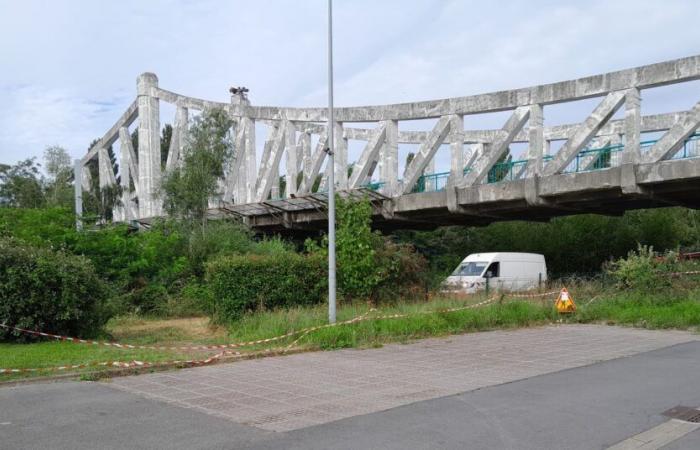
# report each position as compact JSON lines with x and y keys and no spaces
{"x":368,"y":158}
{"x":493,"y":152}
{"x":269,"y":165}
{"x":426,"y":152}
{"x":673,"y":139}
{"x":585,"y":132}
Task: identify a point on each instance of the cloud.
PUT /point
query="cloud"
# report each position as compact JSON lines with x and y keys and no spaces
{"x":68,"y":69}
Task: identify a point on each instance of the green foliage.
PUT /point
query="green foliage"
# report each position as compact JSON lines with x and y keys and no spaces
{"x":358,"y":275}
{"x":571,"y":245}
{"x":369,"y":265}
{"x":42,"y":227}
{"x":48,"y":290}
{"x":21,"y":185}
{"x":241,"y":283}
{"x":59,"y":188}
{"x":643,"y":269}
{"x":189,"y":188}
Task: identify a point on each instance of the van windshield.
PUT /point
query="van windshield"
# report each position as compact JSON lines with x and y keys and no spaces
{"x":470,"y":269}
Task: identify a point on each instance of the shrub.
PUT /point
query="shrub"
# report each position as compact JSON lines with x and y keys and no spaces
{"x":643,"y":269}
{"x":241,"y":283}
{"x":48,"y":290}
{"x":404,"y":273}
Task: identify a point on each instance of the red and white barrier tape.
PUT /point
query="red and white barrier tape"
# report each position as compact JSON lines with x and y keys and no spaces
{"x":363,"y":317}
{"x":689,"y":272}
{"x":543,"y":294}
{"x":218,"y":356}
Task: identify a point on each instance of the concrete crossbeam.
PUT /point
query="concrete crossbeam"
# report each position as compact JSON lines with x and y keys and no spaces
{"x":317,"y":159}
{"x":585,"y":132}
{"x":495,"y":151}
{"x":268,"y":177}
{"x":643,"y":77}
{"x":673,"y":140}
{"x":177,"y":139}
{"x":368,"y":158}
{"x":426,"y":152}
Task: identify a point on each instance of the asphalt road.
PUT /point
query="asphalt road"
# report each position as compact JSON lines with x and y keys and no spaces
{"x":584,"y":408}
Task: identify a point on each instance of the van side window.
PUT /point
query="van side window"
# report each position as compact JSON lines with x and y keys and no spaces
{"x":494,"y":269}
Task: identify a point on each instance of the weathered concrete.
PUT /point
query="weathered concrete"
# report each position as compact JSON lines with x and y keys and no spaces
{"x":540,"y":186}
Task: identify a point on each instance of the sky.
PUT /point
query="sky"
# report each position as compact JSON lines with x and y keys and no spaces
{"x":68,"y":68}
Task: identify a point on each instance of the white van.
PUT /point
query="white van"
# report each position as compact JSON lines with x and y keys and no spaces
{"x":505,"y":271}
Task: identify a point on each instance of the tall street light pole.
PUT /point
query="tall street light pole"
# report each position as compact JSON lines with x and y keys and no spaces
{"x":331,"y":173}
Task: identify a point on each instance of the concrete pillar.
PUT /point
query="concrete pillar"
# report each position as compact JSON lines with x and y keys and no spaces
{"x":633,"y":125}
{"x":250,"y":159}
{"x":389,"y":168}
{"x":177,"y":139}
{"x":536,"y":146}
{"x":149,"y":146}
{"x":457,"y":162}
{"x":292,"y":166}
{"x":125,"y":182}
{"x":430,"y":181}
{"x":78,"y":186}
{"x":341,"y":157}
{"x":305,"y":142}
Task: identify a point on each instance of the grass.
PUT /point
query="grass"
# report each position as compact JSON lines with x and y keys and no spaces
{"x":679,"y":308}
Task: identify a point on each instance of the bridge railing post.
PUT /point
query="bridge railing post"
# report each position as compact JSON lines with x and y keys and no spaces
{"x":457,"y":163}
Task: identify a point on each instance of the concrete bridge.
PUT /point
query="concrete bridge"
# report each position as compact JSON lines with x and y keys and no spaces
{"x":614,"y":160}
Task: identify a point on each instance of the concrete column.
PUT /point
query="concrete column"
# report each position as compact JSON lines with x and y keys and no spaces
{"x":633,"y":125}
{"x":341,"y":157}
{"x":430,"y":169}
{"x":457,"y":163}
{"x":78,"y":186}
{"x":125,"y":182}
{"x":292,"y":165}
{"x":177,"y":139}
{"x":149,"y":146}
{"x":251,"y":157}
{"x":390,"y":158}
{"x":305,"y":142}
{"x":535,"y":150}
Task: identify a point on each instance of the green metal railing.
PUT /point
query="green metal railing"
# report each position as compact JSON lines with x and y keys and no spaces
{"x":691,"y":147}
{"x":595,"y":159}
{"x":506,"y":171}
{"x":589,"y":159}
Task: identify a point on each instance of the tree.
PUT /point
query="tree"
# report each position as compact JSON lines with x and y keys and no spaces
{"x":22,"y":185}
{"x":58,"y":168}
{"x":208,"y":147}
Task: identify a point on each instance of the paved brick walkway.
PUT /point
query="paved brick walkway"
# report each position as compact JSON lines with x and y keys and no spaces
{"x":296,"y":391}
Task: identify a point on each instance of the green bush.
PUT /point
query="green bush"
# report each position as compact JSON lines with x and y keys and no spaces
{"x":241,"y":283}
{"x":370,"y":266}
{"x":51,"y":291}
{"x":643,"y":269}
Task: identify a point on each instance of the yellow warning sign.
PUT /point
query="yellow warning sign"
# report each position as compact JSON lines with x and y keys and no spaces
{"x":565,"y":303}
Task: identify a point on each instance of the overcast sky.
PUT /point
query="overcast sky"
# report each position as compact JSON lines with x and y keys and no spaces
{"x":68,"y":68}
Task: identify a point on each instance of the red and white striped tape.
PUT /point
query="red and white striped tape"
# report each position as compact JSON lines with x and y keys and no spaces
{"x":218,"y":356}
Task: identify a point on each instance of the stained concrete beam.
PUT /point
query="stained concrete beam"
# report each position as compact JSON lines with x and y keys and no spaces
{"x":585,"y":132}
{"x":269,"y":165}
{"x":426,"y":152}
{"x":317,"y":159}
{"x":653,"y":75}
{"x":127,"y":146}
{"x":368,"y":157}
{"x":149,"y":147}
{"x":177,"y":139}
{"x":493,"y":152}
{"x":673,"y":140}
